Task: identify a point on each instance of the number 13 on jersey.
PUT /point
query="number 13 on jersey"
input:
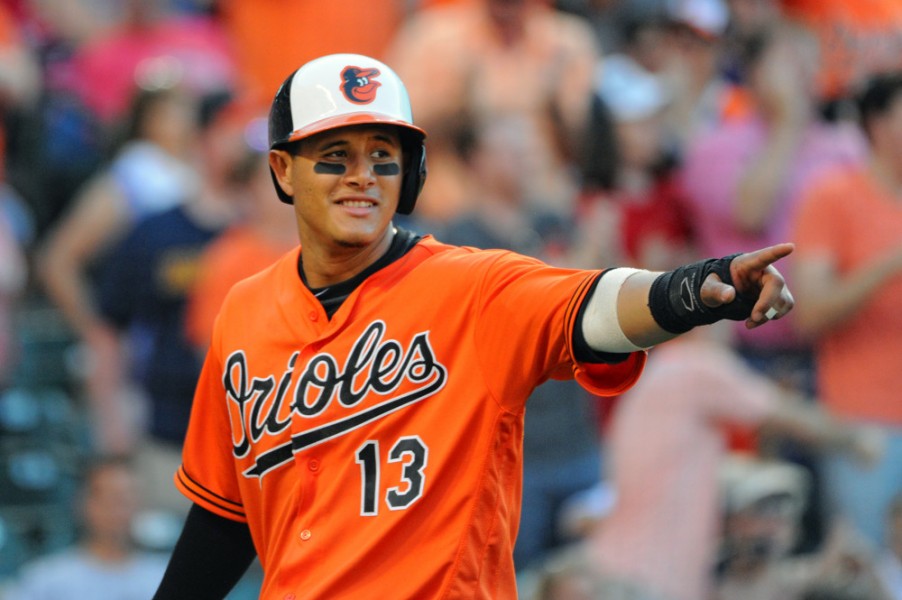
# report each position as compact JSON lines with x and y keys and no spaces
{"x":408,"y":450}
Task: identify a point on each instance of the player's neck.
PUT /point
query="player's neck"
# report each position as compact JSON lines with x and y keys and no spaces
{"x":325,"y":267}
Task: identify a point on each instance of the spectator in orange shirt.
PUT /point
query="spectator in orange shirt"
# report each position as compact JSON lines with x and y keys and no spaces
{"x":848,"y":273}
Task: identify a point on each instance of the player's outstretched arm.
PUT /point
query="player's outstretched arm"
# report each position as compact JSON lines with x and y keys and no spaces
{"x":644,"y":308}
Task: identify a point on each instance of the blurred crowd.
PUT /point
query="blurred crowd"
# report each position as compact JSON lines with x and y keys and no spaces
{"x":757,"y":464}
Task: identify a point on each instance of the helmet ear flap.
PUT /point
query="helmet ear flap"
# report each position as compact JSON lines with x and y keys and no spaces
{"x":414,"y":179}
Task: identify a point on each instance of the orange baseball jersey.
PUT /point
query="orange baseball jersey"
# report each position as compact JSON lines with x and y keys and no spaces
{"x":377,"y":454}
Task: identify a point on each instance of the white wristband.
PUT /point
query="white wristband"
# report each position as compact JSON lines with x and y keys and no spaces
{"x":601,"y":327}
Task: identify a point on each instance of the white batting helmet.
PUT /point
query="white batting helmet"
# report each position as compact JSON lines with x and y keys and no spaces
{"x":339,"y":90}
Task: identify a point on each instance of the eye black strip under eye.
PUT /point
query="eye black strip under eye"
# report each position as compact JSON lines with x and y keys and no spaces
{"x":325,"y":168}
{"x":387,"y":169}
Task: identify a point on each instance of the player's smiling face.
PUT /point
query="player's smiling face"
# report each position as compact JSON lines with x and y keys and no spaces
{"x":346,"y":185}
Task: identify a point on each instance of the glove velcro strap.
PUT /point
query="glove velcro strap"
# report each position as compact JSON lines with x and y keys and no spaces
{"x":675,"y":297}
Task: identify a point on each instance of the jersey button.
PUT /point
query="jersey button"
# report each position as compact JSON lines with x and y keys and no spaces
{"x":306,"y":535}
{"x":313,"y":465}
{"x":313,"y":315}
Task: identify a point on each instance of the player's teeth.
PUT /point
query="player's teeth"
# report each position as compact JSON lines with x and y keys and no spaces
{"x":357,"y":203}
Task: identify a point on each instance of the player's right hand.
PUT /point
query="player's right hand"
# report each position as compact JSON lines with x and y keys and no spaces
{"x":754,"y":276}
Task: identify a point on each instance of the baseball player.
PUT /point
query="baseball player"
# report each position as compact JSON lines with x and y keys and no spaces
{"x":358,"y":421}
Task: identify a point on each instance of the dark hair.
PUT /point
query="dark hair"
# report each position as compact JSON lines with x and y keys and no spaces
{"x":98,"y":462}
{"x":895,"y":505}
{"x":143,"y":103}
{"x":753,"y":47}
{"x":877,"y":97}
{"x":131,"y":126}
{"x":838,"y":591}
{"x":635,"y":25}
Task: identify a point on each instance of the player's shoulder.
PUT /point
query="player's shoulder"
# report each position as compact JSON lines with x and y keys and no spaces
{"x":438,"y":254}
{"x":265,"y":283}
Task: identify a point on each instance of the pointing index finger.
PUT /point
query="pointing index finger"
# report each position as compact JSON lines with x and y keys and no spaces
{"x":761,"y":259}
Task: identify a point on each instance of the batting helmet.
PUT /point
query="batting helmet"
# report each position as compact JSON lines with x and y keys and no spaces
{"x":339,"y":90}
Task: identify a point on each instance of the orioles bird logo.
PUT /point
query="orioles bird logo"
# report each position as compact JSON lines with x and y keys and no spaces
{"x":359,"y":85}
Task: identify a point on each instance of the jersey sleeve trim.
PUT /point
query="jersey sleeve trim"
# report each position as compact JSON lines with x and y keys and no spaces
{"x":208,"y":499}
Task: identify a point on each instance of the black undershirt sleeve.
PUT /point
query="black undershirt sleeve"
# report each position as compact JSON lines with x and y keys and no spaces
{"x":209,"y":558}
{"x":582,"y":351}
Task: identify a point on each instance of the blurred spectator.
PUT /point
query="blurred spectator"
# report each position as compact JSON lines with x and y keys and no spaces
{"x":142,"y":296}
{"x":664,"y":446}
{"x":496,"y":156}
{"x":105,"y":564}
{"x":146,"y":40}
{"x":55,"y":143}
{"x":518,"y":59}
{"x":563,"y":576}
{"x":651,"y":229}
{"x":152,"y":171}
{"x":270,"y":38}
{"x":263,"y":232}
{"x":763,"y":502}
{"x":848,"y":281}
{"x":20,"y":81}
{"x":744,"y":180}
{"x":890,"y":565}
{"x":748,"y":20}
{"x":859,"y":39}
{"x":13,"y":277}
{"x":762,"y":506}
{"x":702,"y":98}
{"x":20,"y":87}
{"x":645,"y":41}
{"x":613,"y":20}
{"x":59,"y":141}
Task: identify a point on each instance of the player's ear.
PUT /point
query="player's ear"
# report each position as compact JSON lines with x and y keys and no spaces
{"x":281,"y":164}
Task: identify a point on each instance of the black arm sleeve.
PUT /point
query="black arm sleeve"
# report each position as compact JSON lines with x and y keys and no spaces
{"x":209,"y":558}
